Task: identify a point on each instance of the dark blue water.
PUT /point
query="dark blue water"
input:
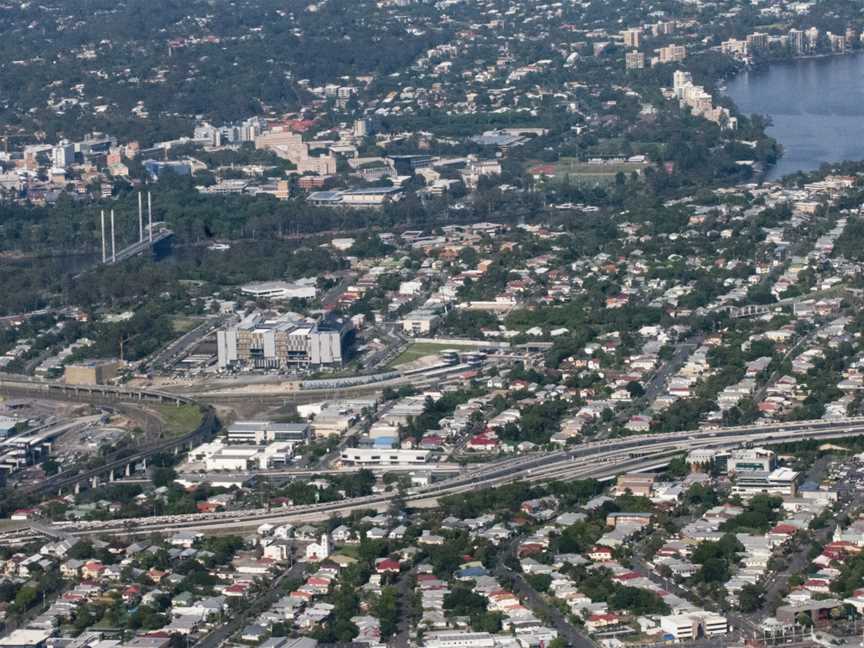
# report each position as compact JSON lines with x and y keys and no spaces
{"x":816,"y":106}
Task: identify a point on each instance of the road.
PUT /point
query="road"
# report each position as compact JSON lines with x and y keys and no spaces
{"x":566,"y":630}
{"x":395,"y":343}
{"x":264,"y":600}
{"x":777,"y":582}
{"x":799,"y":560}
{"x":174,"y":352}
{"x":599,"y":459}
{"x":406,"y":601}
{"x":657,"y":383}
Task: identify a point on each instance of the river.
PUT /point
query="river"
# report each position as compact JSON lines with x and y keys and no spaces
{"x":816,"y":106}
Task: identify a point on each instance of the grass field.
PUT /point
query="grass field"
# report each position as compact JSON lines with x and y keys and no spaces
{"x":182,"y":324}
{"x":585,"y":172}
{"x":179,"y":419}
{"x":418,"y":350}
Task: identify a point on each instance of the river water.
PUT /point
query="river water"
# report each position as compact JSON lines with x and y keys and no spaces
{"x":816,"y":106}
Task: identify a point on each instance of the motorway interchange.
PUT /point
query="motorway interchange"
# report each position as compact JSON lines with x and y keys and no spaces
{"x":598,"y":459}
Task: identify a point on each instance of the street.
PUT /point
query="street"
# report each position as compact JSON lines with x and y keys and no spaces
{"x":258,"y":605}
{"x":566,"y":630}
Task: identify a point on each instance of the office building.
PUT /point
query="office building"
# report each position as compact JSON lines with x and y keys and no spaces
{"x":459,"y":639}
{"x":245,"y":131}
{"x":156,"y":168}
{"x":407,"y":165}
{"x":420,"y":322}
{"x":383,"y":456}
{"x":695,"y":625}
{"x":263,"y":432}
{"x":63,"y":155}
{"x":671,"y":54}
{"x":634,"y":60}
{"x":639,"y":484}
{"x":281,"y":290}
{"x":796,"y":41}
{"x":215,"y":455}
{"x":750,"y":460}
{"x":290,"y":146}
{"x":95,"y":144}
{"x":7,"y":426}
{"x":632,"y":37}
{"x":281,"y":342}
{"x":783,"y":481}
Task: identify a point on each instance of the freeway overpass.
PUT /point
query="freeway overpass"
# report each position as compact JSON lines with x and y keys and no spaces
{"x":123,"y":461}
{"x":283,"y":474}
{"x":16,"y":385}
{"x":598,"y":459}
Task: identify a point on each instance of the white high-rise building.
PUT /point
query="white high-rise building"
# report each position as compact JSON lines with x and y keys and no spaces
{"x":63,"y":155}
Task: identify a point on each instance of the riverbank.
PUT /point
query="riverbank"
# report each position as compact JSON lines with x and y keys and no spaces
{"x":815,"y":104}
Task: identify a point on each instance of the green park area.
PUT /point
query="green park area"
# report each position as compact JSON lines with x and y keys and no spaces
{"x":179,"y":419}
{"x":417,"y":350}
{"x":579,"y":172}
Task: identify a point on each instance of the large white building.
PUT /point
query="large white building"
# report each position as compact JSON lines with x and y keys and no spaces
{"x":280,"y":342}
{"x":420,"y":322}
{"x":782,"y":481}
{"x":281,"y":290}
{"x":687,"y":627}
{"x":383,"y":456}
{"x":215,"y":456}
{"x":743,"y":460}
{"x":63,"y":155}
{"x":263,"y":432}
{"x":459,"y":639}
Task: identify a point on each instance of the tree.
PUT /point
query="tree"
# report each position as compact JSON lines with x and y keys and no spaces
{"x":539,"y":582}
{"x":751,"y":598}
{"x":715,"y":570}
{"x":579,"y":537}
{"x":25,"y":598}
{"x":464,"y":602}
{"x":469,"y":257}
{"x":386,"y":609}
{"x":487,"y":622}
{"x":163,"y":476}
{"x":635,"y":389}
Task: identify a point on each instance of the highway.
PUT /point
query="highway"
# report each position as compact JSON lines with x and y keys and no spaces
{"x":599,"y":459}
{"x":175,"y":351}
{"x":69,"y":479}
{"x":17,"y":385}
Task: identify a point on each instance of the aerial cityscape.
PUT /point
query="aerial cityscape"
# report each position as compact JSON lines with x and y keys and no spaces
{"x":431,"y":324}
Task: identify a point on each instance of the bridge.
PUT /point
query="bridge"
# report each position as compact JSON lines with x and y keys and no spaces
{"x":36,"y":388}
{"x":125,"y":461}
{"x":755,"y":310}
{"x":602,"y":460}
{"x":286,"y":474}
{"x":160,"y":244}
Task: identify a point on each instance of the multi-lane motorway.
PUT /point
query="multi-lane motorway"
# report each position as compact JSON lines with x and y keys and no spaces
{"x":599,"y":459}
